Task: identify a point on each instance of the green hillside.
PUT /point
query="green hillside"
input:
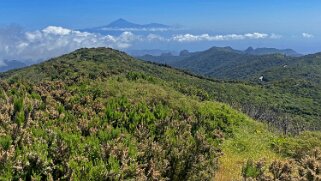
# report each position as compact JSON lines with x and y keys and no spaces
{"x":290,"y":85}
{"x":98,"y":114}
{"x":290,"y":105}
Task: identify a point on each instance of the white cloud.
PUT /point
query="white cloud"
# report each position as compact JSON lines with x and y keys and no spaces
{"x":56,"y":30}
{"x":207,"y":37}
{"x":275,"y":36}
{"x":256,"y":35}
{"x":127,"y":37}
{"x":32,"y":46}
{"x":154,"y":37}
{"x":2,"y":64}
{"x":137,"y":29}
{"x":53,"y":41}
{"x":307,"y":35}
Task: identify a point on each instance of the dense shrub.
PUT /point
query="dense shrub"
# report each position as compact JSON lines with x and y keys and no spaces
{"x":308,"y":168}
{"x":73,"y":131}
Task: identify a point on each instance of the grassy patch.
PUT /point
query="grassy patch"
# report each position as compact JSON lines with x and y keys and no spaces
{"x":251,"y":140}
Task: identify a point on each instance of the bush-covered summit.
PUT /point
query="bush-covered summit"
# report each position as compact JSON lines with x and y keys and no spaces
{"x":94,"y":115}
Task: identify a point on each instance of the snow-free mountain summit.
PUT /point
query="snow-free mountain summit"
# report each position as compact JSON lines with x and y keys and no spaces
{"x":121,"y":25}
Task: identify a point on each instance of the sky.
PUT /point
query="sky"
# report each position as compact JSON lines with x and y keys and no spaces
{"x":223,"y":15}
{"x":292,"y":24}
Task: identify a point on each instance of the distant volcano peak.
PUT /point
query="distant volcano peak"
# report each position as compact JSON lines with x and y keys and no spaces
{"x":121,"y":23}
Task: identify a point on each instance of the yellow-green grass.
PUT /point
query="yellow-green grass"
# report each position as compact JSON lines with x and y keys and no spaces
{"x":251,"y":140}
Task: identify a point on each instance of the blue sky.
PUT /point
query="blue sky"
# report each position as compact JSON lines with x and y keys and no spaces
{"x":296,"y":23}
{"x":221,"y":15}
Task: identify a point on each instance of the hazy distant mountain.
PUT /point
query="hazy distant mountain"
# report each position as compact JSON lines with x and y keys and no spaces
{"x":266,"y":51}
{"x":173,"y":59}
{"x":124,"y":25}
{"x":165,"y":58}
{"x":153,"y":52}
{"x":184,"y":53}
{"x":12,"y":64}
{"x":168,"y":58}
{"x":121,"y":23}
{"x":227,"y":63}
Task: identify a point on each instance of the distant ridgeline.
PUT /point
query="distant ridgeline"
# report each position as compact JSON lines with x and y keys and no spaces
{"x":227,"y":63}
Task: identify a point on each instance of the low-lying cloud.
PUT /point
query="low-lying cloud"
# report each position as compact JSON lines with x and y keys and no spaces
{"x":53,"y":41}
{"x":307,"y":35}
{"x":32,"y":46}
{"x":61,"y":39}
{"x":207,"y":37}
{"x":138,"y":29}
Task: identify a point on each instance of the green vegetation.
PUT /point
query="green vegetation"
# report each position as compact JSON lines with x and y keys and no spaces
{"x":252,"y":142}
{"x":307,"y":168}
{"x":117,"y":133}
{"x":98,"y":114}
{"x":289,"y":97}
{"x":77,"y":125}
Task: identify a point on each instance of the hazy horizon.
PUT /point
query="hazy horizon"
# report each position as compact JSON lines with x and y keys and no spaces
{"x":34,"y":30}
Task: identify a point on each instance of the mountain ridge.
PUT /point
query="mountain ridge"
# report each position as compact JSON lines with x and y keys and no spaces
{"x":224,"y":63}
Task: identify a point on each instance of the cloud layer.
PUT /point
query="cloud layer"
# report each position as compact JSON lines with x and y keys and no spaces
{"x":32,"y":46}
{"x":137,"y":29}
{"x":53,"y":41}
{"x":207,"y":37}
{"x":307,"y":35}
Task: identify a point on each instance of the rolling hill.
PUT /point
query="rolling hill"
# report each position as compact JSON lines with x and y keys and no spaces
{"x":292,"y":78}
{"x":99,"y":114}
